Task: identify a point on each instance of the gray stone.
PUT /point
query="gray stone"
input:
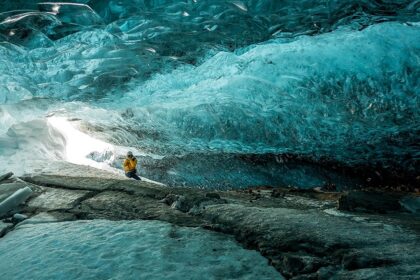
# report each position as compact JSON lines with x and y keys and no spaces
{"x":181,"y":204}
{"x":377,"y":202}
{"x":141,"y":188}
{"x":6,"y":176}
{"x":169,"y":199}
{"x":295,"y":233}
{"x":49,"y":217}
{"x":8,"y":189}
{"x":292,"y":265}
{"x":213,"y":195}
{"x":71,"y":183}
{"x":358,"y":260}
{"x":122,"y":206}
{"x":13,"y":201}
{"x":39,"y":218}
{"x":19,"y":217}
{"x":288,"y":234}
{"x":52,"y":199}
{"x":4,"y":227}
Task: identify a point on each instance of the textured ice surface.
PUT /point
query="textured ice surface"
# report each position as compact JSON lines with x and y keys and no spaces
{"x":126,"y":250}
{"x":193,"y":80}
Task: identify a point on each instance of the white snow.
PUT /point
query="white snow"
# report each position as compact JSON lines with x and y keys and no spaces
{"x":101,"y":249}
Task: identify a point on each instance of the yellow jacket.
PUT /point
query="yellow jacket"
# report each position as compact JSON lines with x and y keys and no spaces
{"x":130,"y":164}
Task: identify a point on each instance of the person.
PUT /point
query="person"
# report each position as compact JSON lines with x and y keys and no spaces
{"x":130,"y":164}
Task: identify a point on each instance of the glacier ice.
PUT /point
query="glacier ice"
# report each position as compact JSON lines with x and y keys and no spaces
{"x":126,"y":250}
{"x":332,"y":81}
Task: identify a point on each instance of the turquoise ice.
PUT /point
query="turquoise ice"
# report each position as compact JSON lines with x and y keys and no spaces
{"x":203,"y":84}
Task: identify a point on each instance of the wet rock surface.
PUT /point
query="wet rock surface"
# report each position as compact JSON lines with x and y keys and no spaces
{"x":378,"y":202}
{"x":302,"y":234}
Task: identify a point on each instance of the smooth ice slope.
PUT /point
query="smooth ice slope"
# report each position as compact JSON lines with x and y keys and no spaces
{"x":126,"y":250}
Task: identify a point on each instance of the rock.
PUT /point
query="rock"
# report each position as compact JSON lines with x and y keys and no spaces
{"x":6,"y":176}
{"x":358,"y":260}
{"x":213,"y":195}
{"x":52,"y":199}
{"x":328,"y":272}
{"x":192,"y":201}
{"x":71,"y":183}
{"x":292,"y":265}
{"x":122,"y":206}
{"x":369,"y":202}
{"x":312,"y":276}
{"x":299,"y":238}
{"x":411,"y":203}
{"x":49,"y":217}
{"x":4,"y":227}
{"x":8,"y":189}
{"x":169,"y":199}
{"x":14,"y":200}
{"x":305,"y":242}
{"x":181,"y":204}
{"x":329,"y":187}
{"x":19,"y":217}
{"x":141,"y":188}
{"x":277,"y":193}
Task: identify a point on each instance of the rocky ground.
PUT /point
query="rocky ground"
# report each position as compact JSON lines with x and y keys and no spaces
{"x":304,"y":234}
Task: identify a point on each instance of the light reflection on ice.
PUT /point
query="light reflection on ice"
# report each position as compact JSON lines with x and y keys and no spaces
{"x":79,"y":145}
{"x":82,"y":149}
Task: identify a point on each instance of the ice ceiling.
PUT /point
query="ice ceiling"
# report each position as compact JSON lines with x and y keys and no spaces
{"x":223,"y":92}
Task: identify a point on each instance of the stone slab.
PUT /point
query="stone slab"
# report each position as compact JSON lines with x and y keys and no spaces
{"x":6,"y":176}
{"x":52,"y":199}
{"x":8,"y":189}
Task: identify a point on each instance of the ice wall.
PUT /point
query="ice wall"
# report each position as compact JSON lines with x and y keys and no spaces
{"x":333,"y":81}
{"x":352,"y":96}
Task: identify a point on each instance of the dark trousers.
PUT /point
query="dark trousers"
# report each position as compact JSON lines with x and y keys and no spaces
{"x":132,"y":174}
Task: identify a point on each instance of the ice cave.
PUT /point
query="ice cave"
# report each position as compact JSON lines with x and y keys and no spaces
{"x":273,"y":139}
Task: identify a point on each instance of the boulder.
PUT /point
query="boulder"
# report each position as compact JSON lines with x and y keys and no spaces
{"x":19,"y":217}
{"x":376,"y":202}
{"x":6,"y":176}
{"x":7,"y":189}
{"x":14,"y":200}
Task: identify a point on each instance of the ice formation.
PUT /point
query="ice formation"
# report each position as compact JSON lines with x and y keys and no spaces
{"x":126,"y":250}
{"x":214,"y":93}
